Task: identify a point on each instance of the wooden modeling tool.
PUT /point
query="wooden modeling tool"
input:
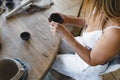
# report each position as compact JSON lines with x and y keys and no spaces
{"x":14,"y":11}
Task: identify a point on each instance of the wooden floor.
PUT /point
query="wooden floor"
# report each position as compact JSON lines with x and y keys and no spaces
{"x":112,"y":76}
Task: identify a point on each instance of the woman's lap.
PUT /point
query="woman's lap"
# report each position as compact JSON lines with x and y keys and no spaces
{"x":65,"y":48}
{"x":67,"y":64}
{"x":70,"y":64}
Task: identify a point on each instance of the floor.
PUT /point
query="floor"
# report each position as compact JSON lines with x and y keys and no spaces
{"x":112,"y":76}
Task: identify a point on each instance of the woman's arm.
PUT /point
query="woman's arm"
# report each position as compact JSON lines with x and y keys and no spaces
{"x":79,"y":22}
{"x":107,"y":47}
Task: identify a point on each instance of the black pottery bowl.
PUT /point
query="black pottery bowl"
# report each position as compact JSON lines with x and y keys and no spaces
{"x":10,"y":4}
{"x":25,"y":36}
{"x":56,"y":17}
{"x":1,"y":2}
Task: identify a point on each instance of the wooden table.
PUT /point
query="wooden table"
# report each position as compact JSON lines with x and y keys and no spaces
{"x":39,"y":52}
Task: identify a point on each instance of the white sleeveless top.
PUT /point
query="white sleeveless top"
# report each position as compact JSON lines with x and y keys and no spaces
{"x":74,"y":66}
{"x":89,"y":39}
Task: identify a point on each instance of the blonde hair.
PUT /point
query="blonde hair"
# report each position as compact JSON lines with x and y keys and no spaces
{"x":109,"y":8}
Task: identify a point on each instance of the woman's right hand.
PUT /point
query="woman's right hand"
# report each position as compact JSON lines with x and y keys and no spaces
{"x":65,"y":18}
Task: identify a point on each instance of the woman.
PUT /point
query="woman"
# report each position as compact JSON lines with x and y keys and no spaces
{"x":99,"y":43}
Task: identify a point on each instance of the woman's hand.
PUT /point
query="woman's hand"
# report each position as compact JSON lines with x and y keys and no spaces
{"x":65,"y":18}
{"x":59,"y":18}
{"x":72,"y":20}
{"x":59,"y":29}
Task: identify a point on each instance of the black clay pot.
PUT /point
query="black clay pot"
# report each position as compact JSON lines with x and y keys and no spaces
{"x":0,"y":2}
{"x":25,"y":35}
{"x":10,"y":4}
{"x":56,"y":17}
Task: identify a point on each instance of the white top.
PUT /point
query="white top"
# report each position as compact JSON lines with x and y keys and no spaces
{"x":73,"y":65}
{"x":89,"y":40}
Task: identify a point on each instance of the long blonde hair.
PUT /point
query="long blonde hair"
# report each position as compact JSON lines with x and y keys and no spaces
{"x":109,"y":8}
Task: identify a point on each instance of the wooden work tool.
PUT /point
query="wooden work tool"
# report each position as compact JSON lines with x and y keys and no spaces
{"x":14,"y":11}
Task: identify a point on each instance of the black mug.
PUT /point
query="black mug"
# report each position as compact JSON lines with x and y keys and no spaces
{"x":25,"y":35}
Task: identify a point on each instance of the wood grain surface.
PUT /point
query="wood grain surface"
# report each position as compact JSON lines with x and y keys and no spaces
{"x":40,"y":51}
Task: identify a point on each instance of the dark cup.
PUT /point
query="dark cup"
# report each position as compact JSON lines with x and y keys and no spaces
{"x":25,"y":35}
{"x":10,"y":4}
{"x":56,"y":17}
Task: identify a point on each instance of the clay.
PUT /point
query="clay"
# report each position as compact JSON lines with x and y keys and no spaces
{"x":56,"y":17}
{"x":25,"y":35}
{"x":0,"y":2}
{"x":10,"y":4}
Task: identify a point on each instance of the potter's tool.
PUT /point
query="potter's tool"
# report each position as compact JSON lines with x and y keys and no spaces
{"x":41,"y":4}
{"x":2,"y":10}
{"x":14,"y":11}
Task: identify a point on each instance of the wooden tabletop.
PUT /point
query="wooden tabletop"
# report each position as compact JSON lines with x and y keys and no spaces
{"x":39,"y":52}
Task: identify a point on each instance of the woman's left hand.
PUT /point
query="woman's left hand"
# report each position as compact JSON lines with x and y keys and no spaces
{"x":59,"y":28}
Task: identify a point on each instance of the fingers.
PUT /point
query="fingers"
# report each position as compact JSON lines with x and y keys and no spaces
{"x":54,"y":24}
{"x":52,"y":29}
{"x":56,"y":27}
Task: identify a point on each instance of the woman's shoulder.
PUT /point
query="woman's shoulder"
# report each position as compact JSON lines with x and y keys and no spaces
{"x":112,"y":33}
{"x":112,"y":30}
{"x":111,"y":27}
{"x":115,"y":30}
